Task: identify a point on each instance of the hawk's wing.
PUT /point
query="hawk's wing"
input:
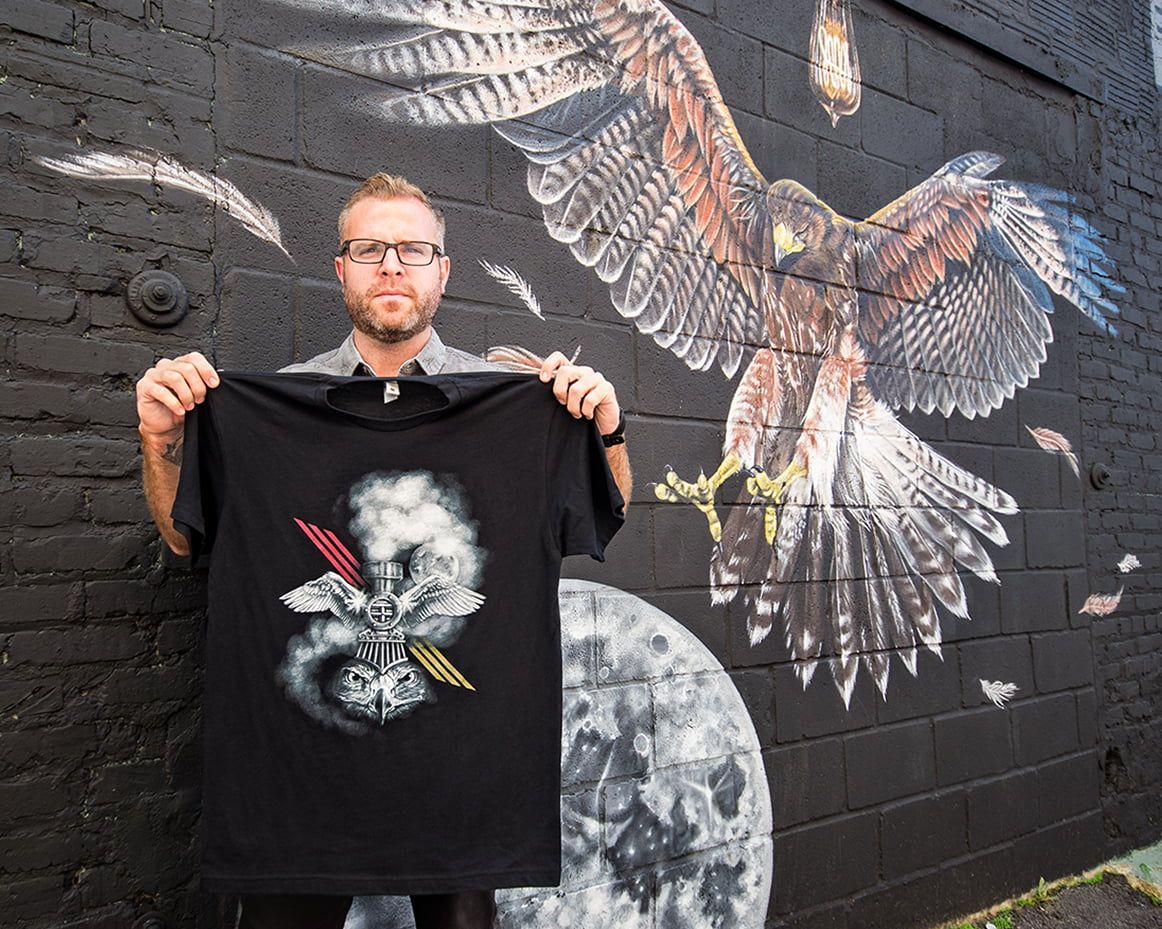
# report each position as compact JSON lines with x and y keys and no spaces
{"x":955,"y":279}
{"x":328,"y":594}
{"x":634,"y":157}
{"x":435,"y":596}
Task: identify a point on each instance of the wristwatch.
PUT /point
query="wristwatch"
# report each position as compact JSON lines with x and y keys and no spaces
{"x":617,"y":437}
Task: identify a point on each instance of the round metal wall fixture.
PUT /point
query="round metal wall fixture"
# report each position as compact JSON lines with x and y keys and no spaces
{"x":157,"y":298}
{"x":1100,"y":476}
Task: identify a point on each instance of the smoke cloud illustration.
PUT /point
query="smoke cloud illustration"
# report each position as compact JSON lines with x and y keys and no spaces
{"x":393,"y":513}
{"x":301,"y":670}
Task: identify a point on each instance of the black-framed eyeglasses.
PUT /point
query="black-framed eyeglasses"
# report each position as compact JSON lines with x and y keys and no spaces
{"x":372,"y":251}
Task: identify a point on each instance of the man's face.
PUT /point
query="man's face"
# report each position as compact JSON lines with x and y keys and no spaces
{"x":392,"y":302}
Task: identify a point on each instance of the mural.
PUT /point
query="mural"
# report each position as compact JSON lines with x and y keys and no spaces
{"x":846,"y":531}
{"x":834,"y":60}
{"x":665,"y":808}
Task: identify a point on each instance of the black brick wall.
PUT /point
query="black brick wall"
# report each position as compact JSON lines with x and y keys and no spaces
{"x":888,"y":813}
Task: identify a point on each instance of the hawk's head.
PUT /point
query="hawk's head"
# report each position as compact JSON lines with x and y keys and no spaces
{"x":380,"y":694}
{"x":799,"y":219}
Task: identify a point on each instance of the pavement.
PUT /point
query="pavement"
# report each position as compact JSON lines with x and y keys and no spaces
{"x":1085,"y":901}
{"x":1141,"y":867}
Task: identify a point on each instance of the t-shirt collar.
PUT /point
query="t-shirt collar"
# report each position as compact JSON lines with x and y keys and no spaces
{"x":429,"y":360}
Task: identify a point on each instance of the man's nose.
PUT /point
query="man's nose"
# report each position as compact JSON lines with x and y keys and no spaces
{"x":391,"y":263}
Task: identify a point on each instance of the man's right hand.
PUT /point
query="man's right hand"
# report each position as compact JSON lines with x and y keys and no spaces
{"x":169,"y":390}
{"x":165,"y":393}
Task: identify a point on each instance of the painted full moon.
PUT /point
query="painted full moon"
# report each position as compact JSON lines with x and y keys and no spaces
{"x":665,"y":807}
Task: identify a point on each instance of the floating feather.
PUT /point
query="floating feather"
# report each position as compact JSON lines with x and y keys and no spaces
{"x":1055,"y":442}
{"x":1127,"y":564}
{"x":515,"y":283}
{"x":998,"y":692}
{"x":1102,"y":604}
{"x":165,"y":172}
{"x":515,"y":358}
{"x":518,"y":358}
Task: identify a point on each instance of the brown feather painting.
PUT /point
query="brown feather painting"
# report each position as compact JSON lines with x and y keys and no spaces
{"x":1055,"y":442}
{"x":1102,"y":604}
{"x":846,"y":531}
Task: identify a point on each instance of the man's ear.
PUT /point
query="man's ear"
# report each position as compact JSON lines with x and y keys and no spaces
{"x":339,"y":268}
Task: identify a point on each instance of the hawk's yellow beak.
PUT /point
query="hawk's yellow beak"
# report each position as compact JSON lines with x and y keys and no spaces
{"x":785,"y":242}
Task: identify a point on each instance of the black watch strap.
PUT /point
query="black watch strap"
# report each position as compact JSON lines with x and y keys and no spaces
{"x":617,"y":437}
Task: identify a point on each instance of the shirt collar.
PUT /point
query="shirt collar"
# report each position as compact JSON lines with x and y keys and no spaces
{"x":429,"y":360}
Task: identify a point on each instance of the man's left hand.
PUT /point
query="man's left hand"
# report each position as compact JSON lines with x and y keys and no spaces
{"x":583,"y":391}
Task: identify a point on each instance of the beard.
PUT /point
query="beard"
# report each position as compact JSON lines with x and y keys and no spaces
{"x":364,"y":318}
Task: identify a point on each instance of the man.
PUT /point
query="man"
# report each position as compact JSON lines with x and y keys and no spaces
{"x":393,"y":269}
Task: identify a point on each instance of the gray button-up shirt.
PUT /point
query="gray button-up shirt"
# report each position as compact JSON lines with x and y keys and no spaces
{"x":433,"y":358}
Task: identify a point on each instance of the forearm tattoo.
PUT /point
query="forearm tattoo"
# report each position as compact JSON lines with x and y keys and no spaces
{"x":173,"y":451}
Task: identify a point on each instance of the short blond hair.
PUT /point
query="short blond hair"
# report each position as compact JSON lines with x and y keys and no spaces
{"x":388,"y":187}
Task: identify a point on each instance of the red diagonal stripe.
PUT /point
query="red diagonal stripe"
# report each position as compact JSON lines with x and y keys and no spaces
{"x":339,"y":552}
{"x":342,"y":549}
{"x":321,"y":543}
{"x":315,"y":534}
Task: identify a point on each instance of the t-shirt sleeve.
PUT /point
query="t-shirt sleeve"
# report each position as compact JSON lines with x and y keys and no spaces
{"x":586,"y":506}
{"x":195,"y":508}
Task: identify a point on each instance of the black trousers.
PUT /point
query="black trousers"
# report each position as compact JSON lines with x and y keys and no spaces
{"x":472,"y":909}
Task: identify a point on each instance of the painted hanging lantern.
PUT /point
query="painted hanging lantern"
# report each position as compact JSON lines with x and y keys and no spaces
{"x":834,"y":60}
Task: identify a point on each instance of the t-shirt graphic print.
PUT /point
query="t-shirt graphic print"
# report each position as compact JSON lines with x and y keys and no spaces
{"x":382,"y":694}
{"x":389,"y":617}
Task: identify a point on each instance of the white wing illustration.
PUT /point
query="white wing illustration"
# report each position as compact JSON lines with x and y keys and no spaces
{"x":436,"y":596}
{"x":328,"y":594}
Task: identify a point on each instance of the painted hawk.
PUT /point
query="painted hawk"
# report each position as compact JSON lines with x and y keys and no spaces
{"x":850,"y":530}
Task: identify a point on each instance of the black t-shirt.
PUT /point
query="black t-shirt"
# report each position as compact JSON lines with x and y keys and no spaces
{"x":383,"y":669}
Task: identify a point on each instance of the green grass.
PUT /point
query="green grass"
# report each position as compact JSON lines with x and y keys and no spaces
{"x":1002,"y":920}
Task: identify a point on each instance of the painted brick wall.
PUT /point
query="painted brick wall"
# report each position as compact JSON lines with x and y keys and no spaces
{"x":100,"y":681}
{"x":896,"y":812}
{"x":1121,"y":418}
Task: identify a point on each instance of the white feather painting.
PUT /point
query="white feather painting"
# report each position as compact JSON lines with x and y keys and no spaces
{"x":1129,"y":563}
{"x":509,"y":279}
{"x":998,"y":692}
{"x":107,"y":167}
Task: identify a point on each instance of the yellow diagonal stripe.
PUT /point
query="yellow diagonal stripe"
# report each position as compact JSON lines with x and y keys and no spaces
{"x":427,"y":663}
{"x":437,"y":658}
{"x":443,"y":659}
{"x":434,"y":656}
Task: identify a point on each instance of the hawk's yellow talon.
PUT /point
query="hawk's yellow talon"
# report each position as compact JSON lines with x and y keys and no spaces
{"x":760,"y":485}
{"x":699,"y":492}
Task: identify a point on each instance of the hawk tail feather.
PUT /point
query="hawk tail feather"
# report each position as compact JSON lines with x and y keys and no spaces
{"x":857,"y":578}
